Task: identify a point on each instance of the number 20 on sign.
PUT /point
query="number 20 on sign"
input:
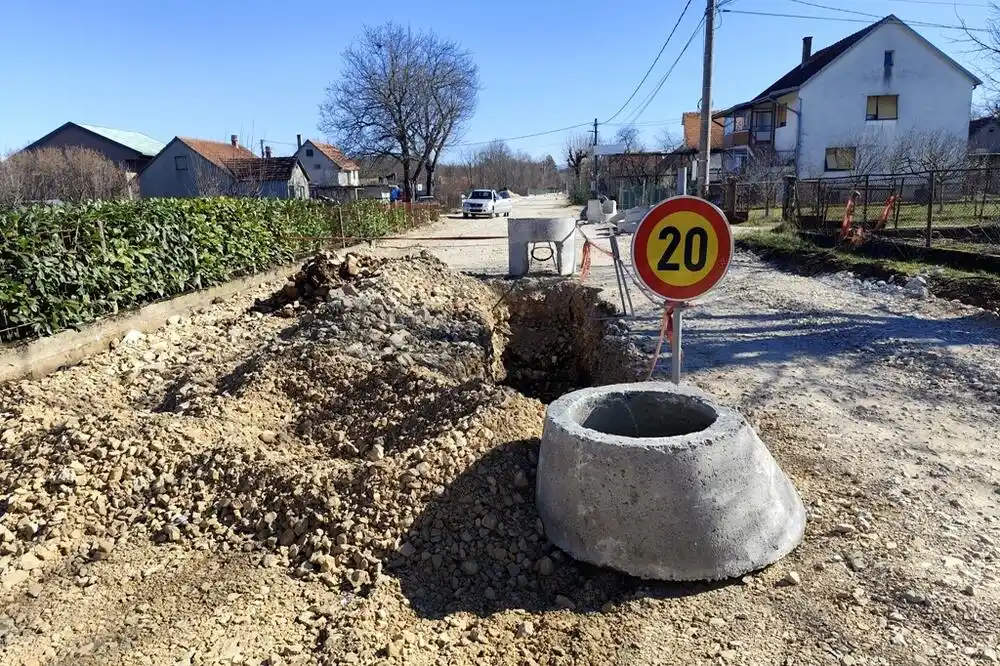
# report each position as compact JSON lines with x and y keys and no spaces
{"x":682,"y":248}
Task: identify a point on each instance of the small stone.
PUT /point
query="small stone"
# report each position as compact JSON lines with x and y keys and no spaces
{"x":171,"y":533}
{"x":717,"y":622}
{"x":269,"y":560}
{"x":565,"y":602}
{"x":268,"y":437}
{"x":969,"y":591}
{"x":35,"y":590}
{"x":913,"y":597}
{"x":792,"y":578}
{"x":470,"y":567}
{"x":546,"y":566}
{"x":848,"y":660}
{"x":526,"y":628}
{"x":30,"y":561}
{"x":133,"y":337}
{"x":407,"y":549}
{"x":856,"y":562}
{"x":521,"y":479}
{"x":13,"y":578}
{"x":896,"y":616}
{"x":376,"y":453}
{"x":173,"y":320}
{"x":844,"y":528}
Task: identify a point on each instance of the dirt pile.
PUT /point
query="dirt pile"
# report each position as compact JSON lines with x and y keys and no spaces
{"x":368,"y":447}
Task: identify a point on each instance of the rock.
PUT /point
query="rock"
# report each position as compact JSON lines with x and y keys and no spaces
{"x":27,"y":530}
{"x":843,"y":528}
{"x":565,"y":602}
{"x":133,"y":337}
{"x":30,"y":561}
{"x":469,"y":567}
{"x":407,"y":550}
{"x":856,"y":562}
{"x":65,"y":477}
{"x":913,"y":597}
{"x":375,"y":453}
{"x":268,"y":437}
{"x":792,"y":578}
{"x":969,"y":590}
{"x":34,"y":590}
{"x":896,"y":616}
{"x":350,"y":267}
{"x":716,"y":622}
{"x":13,"y":578}
{"x":848,"y":660}
{"x":521,"y":479}
{"x":545,"y":566}
{"x":526,"y":628}
{"x":171,"y":533}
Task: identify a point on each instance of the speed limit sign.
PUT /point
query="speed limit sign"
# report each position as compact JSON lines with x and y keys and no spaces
{"x":682,"y":248}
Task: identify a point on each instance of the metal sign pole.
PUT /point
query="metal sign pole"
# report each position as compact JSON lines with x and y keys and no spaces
{"x":675,"y":349}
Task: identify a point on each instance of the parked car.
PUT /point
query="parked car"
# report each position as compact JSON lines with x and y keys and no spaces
{"x":487,"y":203}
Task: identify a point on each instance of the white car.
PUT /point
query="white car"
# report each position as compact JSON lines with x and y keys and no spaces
{"x":486,"y":203}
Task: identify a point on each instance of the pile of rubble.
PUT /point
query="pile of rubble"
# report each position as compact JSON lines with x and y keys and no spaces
{"x":373,"y":435}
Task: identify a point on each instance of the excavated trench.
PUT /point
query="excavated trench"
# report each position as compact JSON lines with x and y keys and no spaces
{"x":561,"y":337}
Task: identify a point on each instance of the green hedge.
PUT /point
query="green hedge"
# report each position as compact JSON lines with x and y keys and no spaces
{"x":66,"y":265}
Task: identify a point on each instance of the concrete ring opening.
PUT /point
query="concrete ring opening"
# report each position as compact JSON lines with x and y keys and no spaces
{"x":643,"y":414}
{"x":662,"y":482}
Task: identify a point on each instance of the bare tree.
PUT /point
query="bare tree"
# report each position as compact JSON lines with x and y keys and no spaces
{"x":942,"y":154}
{"x":986,"y":44}
{"x":667,"y":141}
{"x":403,"y":95}
{"x":66,"y":174}
{"x":629,"y":137}
{"x":577,"y":150}
{"x":764,"y":170}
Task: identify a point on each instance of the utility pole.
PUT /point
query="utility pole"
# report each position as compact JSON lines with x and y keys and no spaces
{"x":705,"y":142}
{"x":262,"y":140}
{"x":597,"y":192}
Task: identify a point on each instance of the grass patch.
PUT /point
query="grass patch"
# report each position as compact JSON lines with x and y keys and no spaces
{"x":799,"y":255}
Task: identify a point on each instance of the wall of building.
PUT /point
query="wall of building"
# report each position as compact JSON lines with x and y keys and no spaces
{"x":934,"y":96}
{"x":161,"y":178}
{"x":786,"y":137}
{"x":322,"y":171}
{"x":74,"y":136}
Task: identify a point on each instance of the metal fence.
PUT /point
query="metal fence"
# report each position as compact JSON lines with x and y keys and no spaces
{"x":959,"y":208}
{"x":641,"y":190}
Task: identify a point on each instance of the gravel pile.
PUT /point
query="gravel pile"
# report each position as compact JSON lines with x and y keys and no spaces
{"x":373,"y":434}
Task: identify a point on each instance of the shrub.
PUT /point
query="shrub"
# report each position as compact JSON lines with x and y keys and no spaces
{"x":63,"y":266}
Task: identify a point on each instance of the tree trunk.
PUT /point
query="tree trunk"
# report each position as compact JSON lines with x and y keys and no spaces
{"x":407,"y":181}
{"x":429,"y":191}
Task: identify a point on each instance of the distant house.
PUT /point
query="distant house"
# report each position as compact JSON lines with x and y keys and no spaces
{"x":870,"y":88}
{"x":327,"y":166}
{"x":984,"y":135}
{"x":130,"y":150}
{"x":686,"y":155}
{"x":189,"y":167}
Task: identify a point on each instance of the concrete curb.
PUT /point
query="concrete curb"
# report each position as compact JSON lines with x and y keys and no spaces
{"x":43,"y":356}
{"x":661,"y":482}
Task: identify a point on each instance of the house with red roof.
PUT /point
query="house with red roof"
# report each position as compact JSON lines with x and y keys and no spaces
{"x":188,"y":167}
{"x":327,"y":166}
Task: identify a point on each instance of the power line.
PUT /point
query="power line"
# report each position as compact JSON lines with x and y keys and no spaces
{"x":523,"y":136}
{"x":652,"y":95}
{"x":940,"y":2}
{"x":655,"y":60}
{"x":923,"y":24}
{"x":836,"y":9}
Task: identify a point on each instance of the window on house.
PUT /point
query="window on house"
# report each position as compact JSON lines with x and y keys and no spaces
{"x":882,"y":107}
{"x":316,"y":166}
{"x":839,"y":159}
{"x":181,"y":162}
{"x":309,"y":152}
{"x":741,"y":121}
{"x":781,"y":115}
{"x":887,"y":63}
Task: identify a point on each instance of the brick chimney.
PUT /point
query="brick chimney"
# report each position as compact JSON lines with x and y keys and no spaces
{"x":807,"y":47}
{"x":267,"y":152}
{"x":235,"y":140}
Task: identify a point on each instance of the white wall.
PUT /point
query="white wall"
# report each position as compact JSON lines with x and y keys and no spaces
{"x":785,"y":137}
{"x":321,"y":169}
{"x":933,"y":96}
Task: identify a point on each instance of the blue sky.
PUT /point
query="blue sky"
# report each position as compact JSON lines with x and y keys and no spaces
{"x":259,"y":69}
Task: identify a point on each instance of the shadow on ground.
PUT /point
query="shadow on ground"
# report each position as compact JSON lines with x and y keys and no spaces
{"x":478,"y":548}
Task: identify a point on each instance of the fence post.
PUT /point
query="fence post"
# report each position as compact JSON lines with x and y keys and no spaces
{"x":864,"y":206}
{"x":930,"y":207}
{"x":731,"y":199}
{"x":786,"y":199}
{"x":343,"y":232}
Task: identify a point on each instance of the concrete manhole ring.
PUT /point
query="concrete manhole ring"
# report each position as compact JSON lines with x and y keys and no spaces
{"x":662,"y":482}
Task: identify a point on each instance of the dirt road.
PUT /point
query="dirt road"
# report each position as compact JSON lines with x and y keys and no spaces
{"x":161,"y":500}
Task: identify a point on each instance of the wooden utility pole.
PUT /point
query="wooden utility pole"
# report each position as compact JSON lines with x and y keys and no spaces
{"x":597,"y":182}
{"x":705,"y":142}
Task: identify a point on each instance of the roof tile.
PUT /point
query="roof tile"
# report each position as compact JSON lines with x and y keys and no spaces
{"x":343,"y":162}
{"x":217,"y":152}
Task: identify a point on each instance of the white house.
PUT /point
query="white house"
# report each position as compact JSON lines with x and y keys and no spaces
{"x":327,"y":166}
{"x":874,"y":87}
